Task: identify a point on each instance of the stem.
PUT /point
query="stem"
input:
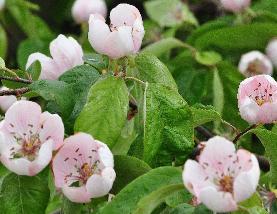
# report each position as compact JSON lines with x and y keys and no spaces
{"x":9,"y":71}
{"x":233,"y":127}
{"x":205,"y":132}
{"x":16,"y":92}
{"x":135,"y":79}
{"x":191,"y":48}
{"x":243,"y":133}
{"x":17,"y":79}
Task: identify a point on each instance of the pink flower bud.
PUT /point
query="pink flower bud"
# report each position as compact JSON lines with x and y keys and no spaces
{"x":235,"y":6}
{"x":271,"y":51}
{"x":66,"y":54}
{"x":82,"y":9}
{"x":6,"y":101}
{"x":222,"y":177}
{"x":124,"y":35}
{"x":83,"y":168}
{"x":255,"y":63}
{"x":28,"y":137}
{"x":257,"y":99}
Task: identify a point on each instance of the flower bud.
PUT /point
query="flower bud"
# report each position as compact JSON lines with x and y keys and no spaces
{"x":82,"y":9}
{"x":257,"y":99}
{"x":271,"y":51}
{"x":124,"y":35}
{"x":6,"y":101}
{"x":66,"y":54}
{"x":255,"y":63}
{"x":235,"y":6}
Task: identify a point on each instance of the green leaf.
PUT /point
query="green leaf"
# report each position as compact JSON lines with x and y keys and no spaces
{"x":151,"y":183}
{"x":152,"y":70}
{"x":169,"y":13}
{"x":30,"y":46}
{"x":3,"y":42}
{"x":22,"y":194}
{"x":208,"y":58}
{"x":168,"y":129}
{"x":218,"y":92}
{"x":33,"y":26}
{"x":149,"y":203}
{"x":204,"y":114}
{"x":269,"y":139}
{"x":238,"y":39}
{"x":100,"y":62}
{"x":59,"y":93}
{"x":230,"y":78}
{"x":164,"y":45}
{"x":105,"y":113}
{"x":253,"y":202}
{"x":79,"y":79}
{"x":34,"y":70}
{"x":126,"y":138}
{"x":127,"y":169}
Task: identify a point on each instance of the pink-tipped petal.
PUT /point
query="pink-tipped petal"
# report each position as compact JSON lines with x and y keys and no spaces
{"x":19,"y":166}
{"x":246,"y":183}
{"x":271,"y":51}
{"x":52,"y":128}
{"x":217,"y":201}
{"x":49,"y":69}
{"x":76,"y":194}
{"x":43,"y":159}
{"x":100,"y":185}
{"x":23,"y":116}
{"x":82,"y":9}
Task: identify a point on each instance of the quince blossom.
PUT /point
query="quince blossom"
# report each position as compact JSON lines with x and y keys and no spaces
{"x":83,"y":168}
{"x":257,"y":99}
{"x":66,"y":54}
{"x":124,"y":35}
{"x":28,"y":137}
{"x":222,"y":177}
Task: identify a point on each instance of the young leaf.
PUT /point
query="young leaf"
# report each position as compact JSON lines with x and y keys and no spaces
{"x":105,"y":113}
{"x":34,"y":70}
{"x":152,"y":70}
{"x":208,"y":58}
{"x":147,"y":186}
{"x":168,"y":129}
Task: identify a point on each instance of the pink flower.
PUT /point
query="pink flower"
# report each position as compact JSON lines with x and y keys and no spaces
{"x":6,"y":101}
{"x":83,"y":168}
{"x":235,"y":5}
{"x":257,"y":99}
{"x":82,"y":9}
{"x":66,"y":54}
{"x":28,"y":137}
{"x":271,"y":51}
{"x":254,"y":63}
{"x":222,"y":177}
{"x":123,"y":37}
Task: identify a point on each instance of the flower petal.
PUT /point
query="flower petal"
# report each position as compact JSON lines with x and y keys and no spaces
{"x":6,"y":102}
{"x":105,"y":155}
{"x":49,"y":69}
{"x":246,"y":182}
{"x":19,"y":166}
{"x":43,"y":159}
{"x":23,"y":117}
{"x":217,"y":201}
{"x":52,"y":128}
{"x":76,"y":194}
{"x":100,"y":185}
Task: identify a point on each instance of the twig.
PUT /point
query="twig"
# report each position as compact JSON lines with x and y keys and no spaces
{"x":16,"y":79}
{"x":15,"y":92}
{"x":243,"y":133}
{"x":204,"y":131}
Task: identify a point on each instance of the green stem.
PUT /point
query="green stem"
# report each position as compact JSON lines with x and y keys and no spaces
{"x":9,"y":71}
{"x":135,"y":79}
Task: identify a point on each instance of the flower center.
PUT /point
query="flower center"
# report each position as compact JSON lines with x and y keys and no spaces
{"x":262,"y":94}
{"x":85,"y":172}
{"x":226,"y":184}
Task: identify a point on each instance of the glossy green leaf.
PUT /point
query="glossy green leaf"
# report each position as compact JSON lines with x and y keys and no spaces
{"x":204,"y":114}
{"x":208,"y":58}
{"x":168,"y":129}
{"x":105,"y":113}
{"x":142,"y":188}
